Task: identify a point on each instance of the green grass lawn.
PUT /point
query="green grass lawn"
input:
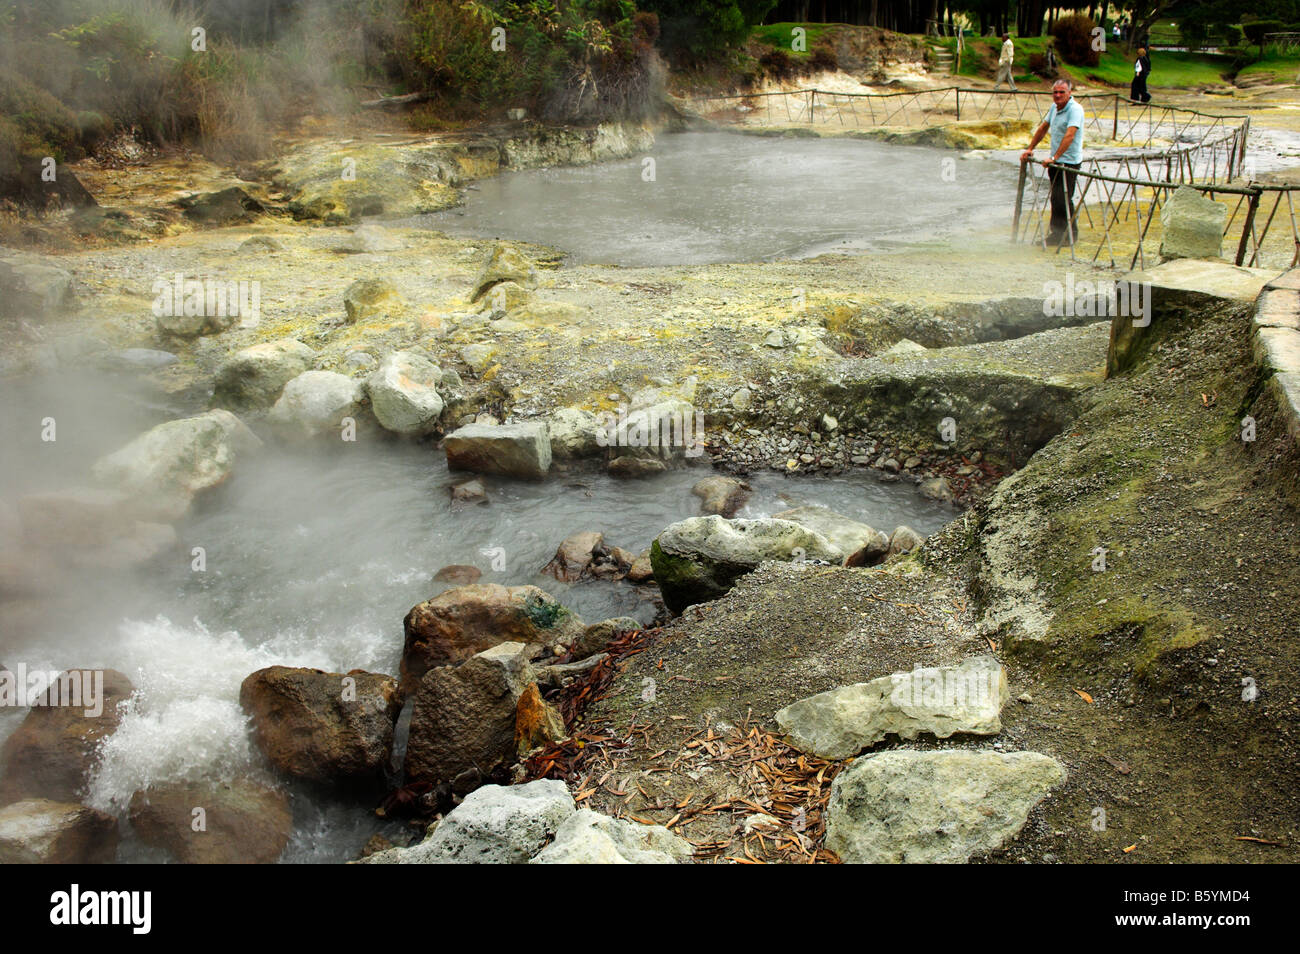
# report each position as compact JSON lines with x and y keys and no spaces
{"x":780,"y":35}
{"x":1170,"y":69}
{"x":1280,"y":68}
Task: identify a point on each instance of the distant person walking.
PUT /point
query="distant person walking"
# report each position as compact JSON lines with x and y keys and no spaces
{"x":1004,"y":63}
{"x":1141,"y":70}
{"x":1065,"y":121}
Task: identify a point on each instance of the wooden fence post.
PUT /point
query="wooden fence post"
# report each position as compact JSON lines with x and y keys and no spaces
{"x":1251,"y":208}
{"x":1020,"y":196}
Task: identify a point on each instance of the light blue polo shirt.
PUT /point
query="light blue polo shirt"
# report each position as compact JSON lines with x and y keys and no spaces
{"x":1059,"y":122}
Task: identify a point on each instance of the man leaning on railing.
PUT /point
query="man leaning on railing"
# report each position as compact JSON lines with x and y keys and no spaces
{"x":1065,"y":120}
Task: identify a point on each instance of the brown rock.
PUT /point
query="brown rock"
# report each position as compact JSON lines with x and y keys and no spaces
{"x":58,"y":519}
{"x":572,"y":561}
{"x":455,"y":625}
{"x":641,"y":570}
{"x":324,"y":727}
{"x":469,"y":492}
{"x":240,"y":822}
{"x":904,"y":540}
{"x":870,"y":553}
{"x":458,"y":573}
{"x":52,"y":751}
{"x":632,"y":466}
{"x":38,"y":831}
{"x":537,"y":722}
{"x":463,"y":718}
{"x":723,"y":496}
{"x":374,"y":845}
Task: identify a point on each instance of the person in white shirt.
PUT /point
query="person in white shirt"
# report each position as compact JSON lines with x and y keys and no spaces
{"x":1004,"y":63}
{"x":1141,"y":70}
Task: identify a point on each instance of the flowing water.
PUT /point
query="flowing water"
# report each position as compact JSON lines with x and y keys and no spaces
{"x":313,"y":557}
{"x":722,"y":197}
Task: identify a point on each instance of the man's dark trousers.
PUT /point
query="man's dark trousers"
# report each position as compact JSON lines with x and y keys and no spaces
{"x":1062,"y":202}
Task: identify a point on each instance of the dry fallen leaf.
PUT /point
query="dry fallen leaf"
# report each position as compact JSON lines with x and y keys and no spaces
{"x":1084,"y":696}
{"x":1130,"y":848}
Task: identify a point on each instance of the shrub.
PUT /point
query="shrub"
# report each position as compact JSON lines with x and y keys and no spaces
{"x":1038,"y":66}
{"x":699,"y":30}
{"x":777,"y":64}
{"x":824,"y":58}
{"x":1074,"y":40}
{"x":1256,"y":30}
{"x":1193,"y":33}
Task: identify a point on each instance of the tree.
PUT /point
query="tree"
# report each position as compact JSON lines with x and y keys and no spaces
{"x":697,"y":29}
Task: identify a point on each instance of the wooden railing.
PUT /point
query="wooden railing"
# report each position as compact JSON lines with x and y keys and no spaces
{"x":1120,"y":218}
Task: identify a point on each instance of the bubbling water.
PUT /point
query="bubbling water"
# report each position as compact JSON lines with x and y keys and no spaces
{"x":312,"y":558}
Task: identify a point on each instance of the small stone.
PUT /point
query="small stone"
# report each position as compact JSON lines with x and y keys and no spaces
{"x":469,"y":492}
{"x":937,"y":488}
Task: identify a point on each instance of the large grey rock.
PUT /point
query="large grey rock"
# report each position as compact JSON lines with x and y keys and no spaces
{"x":1193,"y":225}
{"x":848,"y":536}
{"x":38,"y":831}
{"x":463,"y":718}
{"x":506,"y":263}
{"x":494,"y":825}
{"x":166,"y":467}
{"x":938,"y":701}
{"x":573,"y":433}
{"x":254,"y":377}
{"x":700,"y":558}
{"x":316,"y":402}
{"x":934,"y":807}
{"x":513,"y":450}
{"x":403,"y":393}
{"x":589,"y":838}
